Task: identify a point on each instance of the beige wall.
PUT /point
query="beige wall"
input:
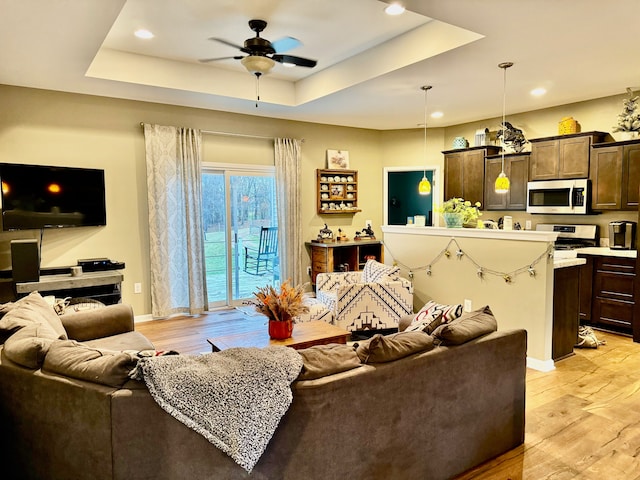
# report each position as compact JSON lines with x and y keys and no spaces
{"x":45,"y":127}
{"x":525,"y":302}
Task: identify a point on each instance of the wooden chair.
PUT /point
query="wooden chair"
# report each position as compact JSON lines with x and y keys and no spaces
{"x":263,"y":259}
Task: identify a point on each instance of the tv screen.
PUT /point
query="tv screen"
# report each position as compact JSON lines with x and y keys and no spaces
{"x":38,"y":196}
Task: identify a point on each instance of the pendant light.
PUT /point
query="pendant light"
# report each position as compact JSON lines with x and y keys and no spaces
{"x":502,"y":182}
{"x":424,"y":187}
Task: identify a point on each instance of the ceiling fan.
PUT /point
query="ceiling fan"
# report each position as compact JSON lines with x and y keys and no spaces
{"x":263,"y":54}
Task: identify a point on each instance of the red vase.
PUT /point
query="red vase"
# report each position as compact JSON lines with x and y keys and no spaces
{"x":280,"y":329}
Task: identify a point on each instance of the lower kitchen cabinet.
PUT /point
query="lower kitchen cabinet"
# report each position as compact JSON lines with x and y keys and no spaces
{"x":612,"y":295}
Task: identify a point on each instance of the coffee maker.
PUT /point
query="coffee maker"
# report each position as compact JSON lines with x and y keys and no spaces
{"x":622,"y":235}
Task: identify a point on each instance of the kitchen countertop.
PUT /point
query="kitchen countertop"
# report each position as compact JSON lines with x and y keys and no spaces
{"x":568,"y":262}
{"x":607,"y":252}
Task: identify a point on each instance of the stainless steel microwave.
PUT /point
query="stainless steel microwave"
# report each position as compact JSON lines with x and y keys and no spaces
{"x":569,"y":197}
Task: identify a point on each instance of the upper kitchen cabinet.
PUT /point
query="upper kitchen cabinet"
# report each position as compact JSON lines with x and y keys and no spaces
{"x":516,"y":167}
{"x":464,"y":172}
{"x":562,"y":156}
{"x":615,"y":175}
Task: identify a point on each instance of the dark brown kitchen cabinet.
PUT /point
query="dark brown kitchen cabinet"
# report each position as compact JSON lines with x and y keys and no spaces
{"x":613,"y":297}
{"x":464,"y":172}
{"x":566,"y":285}
{"x":516,"y":167}
{"x":615,"y":175}
{"x":586,"y":288}
{"x":562,"y":156}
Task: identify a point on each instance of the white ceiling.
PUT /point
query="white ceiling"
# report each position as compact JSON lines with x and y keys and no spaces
{"x":370,"y":65}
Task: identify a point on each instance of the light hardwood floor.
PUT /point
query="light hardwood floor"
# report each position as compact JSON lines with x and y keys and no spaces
{"x":582,"y":419}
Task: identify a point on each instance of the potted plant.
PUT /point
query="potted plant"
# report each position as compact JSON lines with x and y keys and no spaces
{"x":280,"y":306}
{"x":629,"y":119}
{"x":458,"y":212}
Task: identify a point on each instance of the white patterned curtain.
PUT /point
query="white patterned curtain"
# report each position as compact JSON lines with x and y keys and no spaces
{"x":178,"y":276}
{"x":287,"y":161}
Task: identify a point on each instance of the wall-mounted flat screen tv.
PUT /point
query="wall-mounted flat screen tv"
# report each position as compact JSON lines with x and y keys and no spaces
{"x":38,"y":196}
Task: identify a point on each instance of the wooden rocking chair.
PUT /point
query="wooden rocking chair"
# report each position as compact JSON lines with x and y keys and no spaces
{"x":263,"y":259}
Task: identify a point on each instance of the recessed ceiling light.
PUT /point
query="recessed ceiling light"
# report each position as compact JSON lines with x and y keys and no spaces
{"x":142,"y":33}
{"x":536,"y":92}
{"x":394,"y":9}
{"x":437,"y":115}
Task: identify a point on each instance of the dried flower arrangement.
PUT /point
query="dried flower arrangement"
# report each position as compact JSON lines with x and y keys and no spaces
{"x":280,"y":305}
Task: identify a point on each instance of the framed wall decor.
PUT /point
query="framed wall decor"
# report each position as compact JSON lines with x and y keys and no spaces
{"x":337,"y":159}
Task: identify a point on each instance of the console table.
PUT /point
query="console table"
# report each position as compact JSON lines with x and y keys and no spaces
{"x":345,"y":255}
{"x":103,"y":286}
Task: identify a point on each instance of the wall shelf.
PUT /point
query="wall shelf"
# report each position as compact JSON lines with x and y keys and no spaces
{"x":337,"y":191}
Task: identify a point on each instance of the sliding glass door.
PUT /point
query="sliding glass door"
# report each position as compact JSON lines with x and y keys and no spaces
{"x":240,"y":232}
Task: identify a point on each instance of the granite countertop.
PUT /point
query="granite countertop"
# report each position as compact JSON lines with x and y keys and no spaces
{"x":607,"y":252}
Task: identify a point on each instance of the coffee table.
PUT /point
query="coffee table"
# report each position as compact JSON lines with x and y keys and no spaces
{"x":253,"y":332}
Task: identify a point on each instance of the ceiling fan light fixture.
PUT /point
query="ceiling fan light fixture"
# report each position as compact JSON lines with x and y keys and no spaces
{"x":257,"y":64}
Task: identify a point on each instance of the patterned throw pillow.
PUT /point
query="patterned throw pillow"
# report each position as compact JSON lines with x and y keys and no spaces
{"x":449,"y":312}
{"x":428,"y":323}
{"x":374,"y":271}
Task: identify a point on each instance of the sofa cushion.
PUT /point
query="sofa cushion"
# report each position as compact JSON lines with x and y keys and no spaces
{"x":73,"y":359}
{"x":374,"y":271}
{"x":449,"y":312}
{"x":29,"y":345}
{"x":30,"y":309}
{"x":322,"y":360}
{"x":469,"y":326}
{"x":121,"y":341}
{"x":427,"y":323}
{"x":386,"y":348}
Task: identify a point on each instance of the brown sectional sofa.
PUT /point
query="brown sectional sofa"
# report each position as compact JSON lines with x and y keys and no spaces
{"x":430,"y":415}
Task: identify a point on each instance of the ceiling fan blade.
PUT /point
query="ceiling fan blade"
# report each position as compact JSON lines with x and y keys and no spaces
{"x":298,"y":61}
{"x":285,"y":44}
{"x":205,"y":60}
{"x":226,"y":42}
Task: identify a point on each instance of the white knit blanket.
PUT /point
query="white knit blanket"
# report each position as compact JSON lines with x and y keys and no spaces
{"x":234,"y":398}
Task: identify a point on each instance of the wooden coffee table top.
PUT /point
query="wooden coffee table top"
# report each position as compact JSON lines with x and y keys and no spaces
{"x":254,"y":332}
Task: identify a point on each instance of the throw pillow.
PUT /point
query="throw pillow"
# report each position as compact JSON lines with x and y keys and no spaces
{"x":374,"y":271}
{"x":428,"y":323}
{"x":322,"y":360}
{"x":29,"y":346}
{"x":386,"y":348}
{"x":469,"y":326}
{"x":73,"y":359}
{"x":449,"y":312}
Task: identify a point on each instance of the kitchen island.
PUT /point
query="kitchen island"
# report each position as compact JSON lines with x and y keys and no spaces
{"x":511,"y":271}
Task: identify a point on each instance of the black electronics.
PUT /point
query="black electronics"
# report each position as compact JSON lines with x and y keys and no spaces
{"x":99,"y":264}
{"x":25,"y":261}
{"x":38,"y":196}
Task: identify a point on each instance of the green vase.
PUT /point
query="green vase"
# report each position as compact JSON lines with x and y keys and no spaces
{"x":453,"y":220}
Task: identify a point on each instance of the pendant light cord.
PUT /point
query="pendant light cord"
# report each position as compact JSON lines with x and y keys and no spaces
{"x":426,"y":90}
{"x":504,"y":67}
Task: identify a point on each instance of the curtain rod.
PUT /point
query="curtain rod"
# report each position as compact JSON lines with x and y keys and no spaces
{"x":229,"y":134}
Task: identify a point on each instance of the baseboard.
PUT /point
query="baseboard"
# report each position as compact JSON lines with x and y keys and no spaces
{"x":540,"y":365}
{"x":142,"y":318}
